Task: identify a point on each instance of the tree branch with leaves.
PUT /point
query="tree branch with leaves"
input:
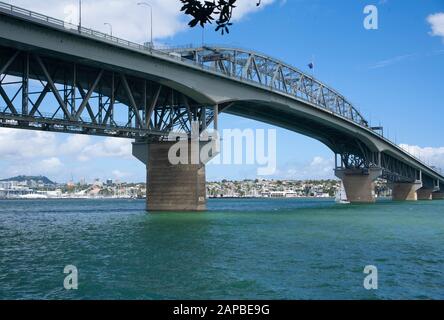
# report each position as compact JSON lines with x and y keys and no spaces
{"x":202,"y":13}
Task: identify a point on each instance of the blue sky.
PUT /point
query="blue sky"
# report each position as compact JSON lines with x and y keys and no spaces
{"x":394,"y":75}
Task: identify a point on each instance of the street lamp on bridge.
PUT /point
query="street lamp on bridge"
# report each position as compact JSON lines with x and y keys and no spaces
{"x":151,"y":19}
{"x":80,"y":15}
{"x":110,"y":27}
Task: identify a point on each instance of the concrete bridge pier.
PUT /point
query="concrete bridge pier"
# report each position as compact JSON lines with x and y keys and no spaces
{"x":173,"y":187}
{"x":425,"y":193}
{"x":404,"y":191}
{"x":438,"y":191}
{"x":359,"y":183}
{"x":438,"y":195}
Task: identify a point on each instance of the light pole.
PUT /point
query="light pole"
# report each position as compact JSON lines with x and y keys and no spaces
{"x":151,"y":18}
{"x":80,"y":15}
{"x":110,"y":27}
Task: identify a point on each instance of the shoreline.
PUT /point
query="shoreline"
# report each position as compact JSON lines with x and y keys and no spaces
{"x":132,"y":199}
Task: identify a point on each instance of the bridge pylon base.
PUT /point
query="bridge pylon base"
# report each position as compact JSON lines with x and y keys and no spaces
{"x":179,"y":187}
{"x":425,"y":194}
{"x":438,"y":196}
{"x":359,"y":184}
{"x":405,"y":191}
{"x":171,"y":187}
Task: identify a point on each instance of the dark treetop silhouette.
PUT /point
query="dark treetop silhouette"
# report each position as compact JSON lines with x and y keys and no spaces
{"x":202,"y":13}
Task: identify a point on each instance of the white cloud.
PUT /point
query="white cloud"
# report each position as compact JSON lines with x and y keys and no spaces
{"x":17,"y":145}
{"x":20,"y":144}
{"x":74,"y":144}
{"x":109,"y":147}
{"x":61,"y":156}
{"x":47,"y":166}
{"x":430,"y":155}
{"x":394,"y":60}
{"x":129,"y":20}
{"x":244,"y":7}
{"x":51,"y":165}
{"x":436,"y":22}
{"x":318,"y":168}
{"x":120,"y":175}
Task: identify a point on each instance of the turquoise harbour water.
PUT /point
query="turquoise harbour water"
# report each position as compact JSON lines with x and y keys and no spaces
{"x":240,"y":249}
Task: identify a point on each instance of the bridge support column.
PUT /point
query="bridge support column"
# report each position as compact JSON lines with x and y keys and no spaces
{"x":175,"y":187}
{"x":171,"y":187}
{"x":359,"y":184}
{"x":424,"y":193}
{"x":438,"y":195}
{"x":406,"y":191}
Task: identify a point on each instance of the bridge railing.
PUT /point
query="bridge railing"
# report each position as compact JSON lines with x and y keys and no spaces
{"x":76,"y":29}
{"x":67,"y":26}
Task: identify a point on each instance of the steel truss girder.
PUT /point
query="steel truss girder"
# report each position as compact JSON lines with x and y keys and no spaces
{"x":276,"y":75}
{"x":91,"y":100}
{"x":398,"y":171}
{"x":363,"y":158}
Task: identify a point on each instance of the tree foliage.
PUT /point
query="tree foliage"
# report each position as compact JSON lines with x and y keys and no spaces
{"x":202,"y":13}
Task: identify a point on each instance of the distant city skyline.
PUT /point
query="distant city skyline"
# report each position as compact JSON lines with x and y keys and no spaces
{"x":393,"y":74}
{"x":84,"y":180}
{"x":40,"y":187}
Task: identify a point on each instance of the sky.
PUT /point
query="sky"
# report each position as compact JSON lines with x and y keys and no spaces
{"x":393,"y":75}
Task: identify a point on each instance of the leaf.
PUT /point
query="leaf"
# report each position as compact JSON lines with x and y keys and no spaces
{"x":193,"y":23}
{"x":202,"y":13}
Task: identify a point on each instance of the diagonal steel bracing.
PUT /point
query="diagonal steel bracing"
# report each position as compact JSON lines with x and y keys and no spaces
{"x":132,"y":102}
{"x":149,"y":113}
{"x":86,"y":97}
{"x":8,"y":101}
{"x":9,"y":62}
{"x":54,"y":90}
{"x":92,"y":100}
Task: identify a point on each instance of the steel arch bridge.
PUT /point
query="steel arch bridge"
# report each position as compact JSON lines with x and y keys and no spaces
{"x":277,"y":76}
{"x":248,"y":65}
{"x":62,"y":78}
